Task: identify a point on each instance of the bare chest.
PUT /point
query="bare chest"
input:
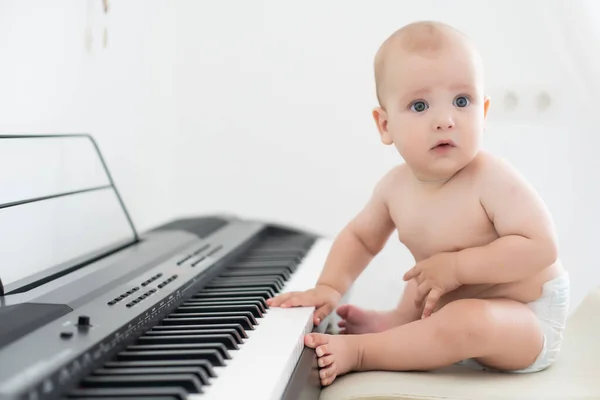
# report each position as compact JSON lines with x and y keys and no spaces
{"x":449,"y":221}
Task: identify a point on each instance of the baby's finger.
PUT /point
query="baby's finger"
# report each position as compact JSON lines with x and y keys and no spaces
{"x":411,"y":273}
{"x":322,"y":312}
{"x":432,"y":299}
{"x":422,"y":292}
{"x":299,"y":299}
{"x":279,"y":299}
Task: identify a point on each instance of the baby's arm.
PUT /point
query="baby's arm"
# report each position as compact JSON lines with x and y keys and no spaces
{"x":364,"y":236}
{"x":527,"y":240}
{"x":351,"y":251}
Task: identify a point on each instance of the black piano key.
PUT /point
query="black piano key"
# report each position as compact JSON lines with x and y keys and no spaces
{"x":231,"y":294}
{"x":163,"y":355}
{"x":256,"y":301}
{"x":183,"y":346}
{"x":203,"y":364}
{"x":220,"y":308}
{"x":241,"y":284}
{"x":189,"y":319}
{"x":275,"y":283}
{"x":273,"y":277}
{"x":227,"y":340}
{"x":255,"y":267}
{"x":280,"y":278}
{"x":187,"y":382}
{"x":259,"y":300}
{"x":252,"y":278}
{"x":195,"y":329}
{"x":267,"y":291}
{"x":291,"y":268}
{"x":196,"y":371}
{"x":241,"y":272}
{"x":130,"y":393}
{"x":241,"y":317}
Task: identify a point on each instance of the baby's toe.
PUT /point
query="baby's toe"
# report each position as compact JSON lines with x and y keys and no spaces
{"x":322,"y":350}
{"x":314,"y":340}
{"x":325,"y":360}
{"x":327,"y":375}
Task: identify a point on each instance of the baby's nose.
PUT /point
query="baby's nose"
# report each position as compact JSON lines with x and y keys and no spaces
{"x":444,"y":126}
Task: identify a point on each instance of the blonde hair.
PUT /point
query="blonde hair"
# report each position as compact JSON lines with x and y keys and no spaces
{"x":423,"y":37}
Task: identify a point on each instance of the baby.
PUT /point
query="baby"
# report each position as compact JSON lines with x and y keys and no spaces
{"x":487,"y":290}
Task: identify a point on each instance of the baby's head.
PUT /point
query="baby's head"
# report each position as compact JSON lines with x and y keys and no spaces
{"x":429,"y":80}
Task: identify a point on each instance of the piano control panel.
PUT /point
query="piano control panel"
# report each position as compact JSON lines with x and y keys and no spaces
{"x":157,"y":281}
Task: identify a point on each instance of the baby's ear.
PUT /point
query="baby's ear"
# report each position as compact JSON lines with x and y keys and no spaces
{"x":380,"y":117}
{"x":486,"y":105}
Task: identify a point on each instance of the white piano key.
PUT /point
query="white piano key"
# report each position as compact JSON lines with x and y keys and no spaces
{"x":263,"y":365}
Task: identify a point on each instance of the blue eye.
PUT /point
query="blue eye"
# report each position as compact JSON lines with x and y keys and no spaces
{"x":419,"y":106}
{"x":461,"y":101}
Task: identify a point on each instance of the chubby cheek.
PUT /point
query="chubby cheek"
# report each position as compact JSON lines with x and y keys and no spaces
{"x":402,"y":128}
{"x":408,"y":138}
{"x":411,"y":148}
{"x":471,"y":132}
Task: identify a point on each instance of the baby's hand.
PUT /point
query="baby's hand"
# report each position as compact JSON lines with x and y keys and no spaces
{"x":435,"y":276}
{"x":324,"y":298}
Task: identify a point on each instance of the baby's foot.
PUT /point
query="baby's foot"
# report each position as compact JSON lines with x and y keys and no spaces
{"x":336,"y":354}
{"x":356,"y":320}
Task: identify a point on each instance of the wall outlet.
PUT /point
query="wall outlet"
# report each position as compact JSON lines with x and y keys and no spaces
{"x":525,"y":102}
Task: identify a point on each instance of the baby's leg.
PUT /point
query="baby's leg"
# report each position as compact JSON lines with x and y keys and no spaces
{"x":359,"y":320}
{"x":407,"y":310}
{"x":500,"y":333}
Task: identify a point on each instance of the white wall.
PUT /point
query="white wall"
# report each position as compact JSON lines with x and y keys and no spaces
{"x":57,"y":77}
{"x":263,"y":108}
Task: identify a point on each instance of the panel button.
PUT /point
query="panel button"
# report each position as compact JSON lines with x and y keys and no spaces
{"x":66,"y":335}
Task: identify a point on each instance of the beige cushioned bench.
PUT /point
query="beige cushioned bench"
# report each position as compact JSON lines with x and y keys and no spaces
{"x":575,"y":375}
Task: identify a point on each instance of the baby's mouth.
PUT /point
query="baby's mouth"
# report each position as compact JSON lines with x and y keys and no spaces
{"x":443,"y":144}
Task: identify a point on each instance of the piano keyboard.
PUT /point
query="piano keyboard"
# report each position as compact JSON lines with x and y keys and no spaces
{"x":224,"y":342}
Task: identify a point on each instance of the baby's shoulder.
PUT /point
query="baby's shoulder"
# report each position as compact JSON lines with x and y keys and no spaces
{"x":391,"y":180}
{"x":494,"y":172}
{"x":489,"y":167}
{"x":394,"y":176}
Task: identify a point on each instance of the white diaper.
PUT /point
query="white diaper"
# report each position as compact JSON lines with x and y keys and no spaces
{"x":552,"y":310}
